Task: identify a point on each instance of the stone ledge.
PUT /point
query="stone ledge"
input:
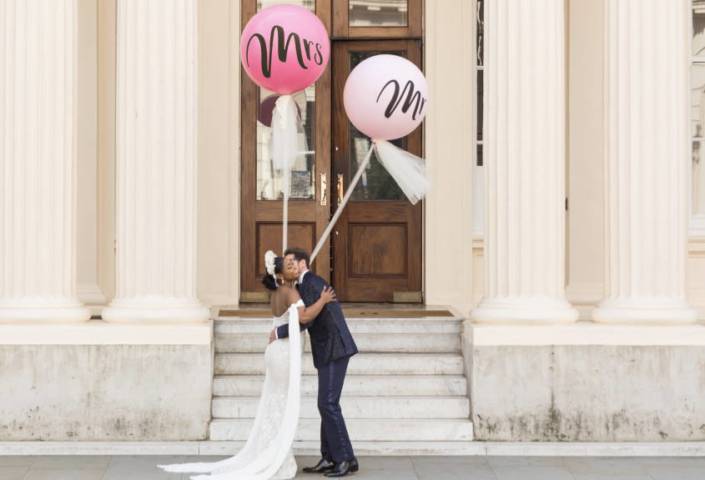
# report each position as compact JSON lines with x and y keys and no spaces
{"x":585,"y":333}
{"x":207,"y":448}
{"x":99,"y":332}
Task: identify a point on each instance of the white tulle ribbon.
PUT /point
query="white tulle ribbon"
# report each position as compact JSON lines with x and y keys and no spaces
{"x":285,"y":148}
{"x":408,"y":170}
{"x":285,"y":133}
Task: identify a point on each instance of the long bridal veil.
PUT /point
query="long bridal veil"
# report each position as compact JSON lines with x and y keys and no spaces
{"x":262,"y":455}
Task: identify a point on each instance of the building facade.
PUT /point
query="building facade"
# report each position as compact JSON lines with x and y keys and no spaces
{"x":565,"y":226}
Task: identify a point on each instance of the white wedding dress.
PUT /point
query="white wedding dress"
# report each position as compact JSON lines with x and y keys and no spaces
{"x":267,"y":455}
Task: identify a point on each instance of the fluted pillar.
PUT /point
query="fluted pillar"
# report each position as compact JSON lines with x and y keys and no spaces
{"x":525,"y":160}
{"x":648,"y":46}
{"x":156,"y":162}
{"x":38,"y":161}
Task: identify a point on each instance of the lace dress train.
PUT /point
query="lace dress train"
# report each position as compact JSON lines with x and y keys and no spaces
{"x":267,"y":454}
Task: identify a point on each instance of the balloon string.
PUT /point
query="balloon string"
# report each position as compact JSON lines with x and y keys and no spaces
{"x":285,"y":222}
{"x":284,"y":151}
{"x":346,"y":198}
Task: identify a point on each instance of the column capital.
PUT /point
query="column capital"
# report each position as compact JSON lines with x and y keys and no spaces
{"x":43,"y":310}
{"x":644,"y":310}
{"x":155,"y":307}
{"x":530,"y":309}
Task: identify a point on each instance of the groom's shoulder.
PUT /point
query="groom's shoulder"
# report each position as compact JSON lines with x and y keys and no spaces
{"x":314,"y":279}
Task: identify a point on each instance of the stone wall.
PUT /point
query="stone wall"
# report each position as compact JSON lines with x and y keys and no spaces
{"x":587,"y":392}
{"x":105,"y":392}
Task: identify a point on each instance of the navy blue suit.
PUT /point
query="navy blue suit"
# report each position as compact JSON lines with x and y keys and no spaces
{"x":332,"y":346}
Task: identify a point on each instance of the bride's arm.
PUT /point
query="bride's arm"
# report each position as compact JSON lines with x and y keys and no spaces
{"x":308,"y":314}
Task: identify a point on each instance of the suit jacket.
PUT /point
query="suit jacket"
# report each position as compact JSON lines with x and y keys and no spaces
{"x":330,"y":337}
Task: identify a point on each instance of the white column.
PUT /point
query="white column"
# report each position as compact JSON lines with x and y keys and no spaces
{"x":525,"y":160}
{"x":648,"y":156}
{"x":156,"y":162}
{"x":38,"y":161}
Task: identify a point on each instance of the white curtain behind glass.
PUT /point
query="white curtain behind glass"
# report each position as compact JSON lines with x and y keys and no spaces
{"x":697,"y":110}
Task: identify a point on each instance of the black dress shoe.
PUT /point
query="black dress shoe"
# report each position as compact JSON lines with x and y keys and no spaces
{"x":322,"y":466}
{"x":344,"y":468}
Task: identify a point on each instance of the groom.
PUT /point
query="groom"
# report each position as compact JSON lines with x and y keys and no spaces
{"x":332,"y":346}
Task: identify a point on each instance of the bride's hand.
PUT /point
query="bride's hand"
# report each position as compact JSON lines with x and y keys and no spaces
{"x":328,"y":295}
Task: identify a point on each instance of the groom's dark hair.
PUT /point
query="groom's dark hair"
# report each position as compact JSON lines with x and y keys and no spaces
{"x":299,"y":254}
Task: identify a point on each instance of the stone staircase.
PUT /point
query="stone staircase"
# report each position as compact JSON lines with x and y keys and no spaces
{"x":405,"y":393}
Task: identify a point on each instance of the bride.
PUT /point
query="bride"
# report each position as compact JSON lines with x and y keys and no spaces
{"x":267,"y":454}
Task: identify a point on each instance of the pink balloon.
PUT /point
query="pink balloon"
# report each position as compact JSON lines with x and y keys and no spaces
{"x":386,"y":97}
{"x":284,"y":48}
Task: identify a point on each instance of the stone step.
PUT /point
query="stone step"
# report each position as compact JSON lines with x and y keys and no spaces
{"x":366,"y":342}
{"x":357,"y":385}
{"x":362,"y":364}
{"x":360,"y":430}
{"x":356,"y":325}
{"x":357,"y":407}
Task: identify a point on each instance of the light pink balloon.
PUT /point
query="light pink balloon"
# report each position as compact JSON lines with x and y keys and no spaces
{"x":386,"y":97}
{"x":284,"y":48}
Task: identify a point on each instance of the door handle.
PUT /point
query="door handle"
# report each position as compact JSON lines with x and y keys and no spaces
{"x":341,"y":188}
{"x":324,"y":190}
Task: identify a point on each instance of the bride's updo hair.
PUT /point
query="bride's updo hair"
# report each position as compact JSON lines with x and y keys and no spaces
{"x":270,"y":280}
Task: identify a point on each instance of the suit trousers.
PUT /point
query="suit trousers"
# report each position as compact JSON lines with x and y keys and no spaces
{"x":335,"y":442}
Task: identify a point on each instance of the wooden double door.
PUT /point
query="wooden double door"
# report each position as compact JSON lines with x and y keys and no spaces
{"x":375,"y":251}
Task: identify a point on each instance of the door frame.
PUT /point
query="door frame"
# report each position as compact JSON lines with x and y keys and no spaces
{"x":410,"y":290}
{"x":342,"y":29}
{"x":249,"y":288}
{"x":444,"y":29}
{"x":252,"y":211}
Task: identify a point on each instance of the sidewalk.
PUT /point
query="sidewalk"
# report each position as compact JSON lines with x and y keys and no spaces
{"x":376,"y":468}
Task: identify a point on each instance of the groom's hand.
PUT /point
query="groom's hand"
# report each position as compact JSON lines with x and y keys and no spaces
{"x":272,"y":335}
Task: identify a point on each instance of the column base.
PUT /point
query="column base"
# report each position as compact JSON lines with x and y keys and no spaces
{"x":43,"y":309}
{"x":524,"y":310}
{"x":155,"y":308}
{"x":644,"y":310}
